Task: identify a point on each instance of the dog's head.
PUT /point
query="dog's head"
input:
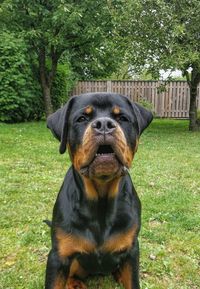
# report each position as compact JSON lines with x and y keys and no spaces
{"x":101,"y":132}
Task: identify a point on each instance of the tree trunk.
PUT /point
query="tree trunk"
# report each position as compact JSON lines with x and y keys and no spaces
{"x":47,"y":100}
{"x":193,"y":121}
{"x":45,"y":84}
{"x":193,"y":108}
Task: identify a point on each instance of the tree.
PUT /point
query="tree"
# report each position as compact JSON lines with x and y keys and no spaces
{"x":80,"y":30}
{"x":20,"y":95}
{"x":165,"y":34}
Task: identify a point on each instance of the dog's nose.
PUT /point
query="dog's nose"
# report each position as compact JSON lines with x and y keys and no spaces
{"x":104,"y":125}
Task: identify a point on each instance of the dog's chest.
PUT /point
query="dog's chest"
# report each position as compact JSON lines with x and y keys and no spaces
{"x":111,"y":246}
{"x":104,"y":223}
{"x":99,"y":237}
{"x":109,"y":228}
{"x":99,"y":262}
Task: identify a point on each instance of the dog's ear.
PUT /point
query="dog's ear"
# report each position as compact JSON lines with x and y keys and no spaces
{"x":143,"y":116}
{"x":58,"y":124}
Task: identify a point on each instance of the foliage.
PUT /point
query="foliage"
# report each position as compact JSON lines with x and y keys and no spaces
{"x":20,"y":96}
{"x":167,"y":182}
{"x":147,"y":104}
{"x":83,"y":30}
{"x":164,"y":35}
{"x":20,"y":93}
{"x":62,"y":85}
{"x":127,"y":71}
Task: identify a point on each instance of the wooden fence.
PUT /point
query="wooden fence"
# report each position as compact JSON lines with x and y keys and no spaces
{"x":168,"y":99}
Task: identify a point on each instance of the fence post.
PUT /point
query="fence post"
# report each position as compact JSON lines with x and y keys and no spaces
{"x":109,"y":86}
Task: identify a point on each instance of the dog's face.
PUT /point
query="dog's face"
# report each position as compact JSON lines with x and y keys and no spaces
{"x":101,"y":132}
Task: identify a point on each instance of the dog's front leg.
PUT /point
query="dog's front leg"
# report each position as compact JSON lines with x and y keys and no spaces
{"x":128,"y":274}
{"x":57,"y":271}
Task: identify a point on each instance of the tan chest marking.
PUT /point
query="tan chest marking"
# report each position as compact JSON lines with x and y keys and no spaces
{"x":95,"y":189}
{"x":90,"y":189}
{"x":69,"y":244}
{"x":121,"y":241}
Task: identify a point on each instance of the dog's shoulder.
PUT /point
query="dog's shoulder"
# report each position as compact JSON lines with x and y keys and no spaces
{"x":128,"y":203}
{"x":67,"y":200}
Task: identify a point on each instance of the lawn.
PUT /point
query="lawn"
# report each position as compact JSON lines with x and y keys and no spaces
{"x":166,"y":174}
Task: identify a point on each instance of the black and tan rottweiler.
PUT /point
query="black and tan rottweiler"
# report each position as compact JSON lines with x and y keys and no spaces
{"x":96,"y":217}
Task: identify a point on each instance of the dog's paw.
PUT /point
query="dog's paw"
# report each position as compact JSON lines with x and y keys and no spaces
{"x":117,"y":277}
{"x":75,"y":284}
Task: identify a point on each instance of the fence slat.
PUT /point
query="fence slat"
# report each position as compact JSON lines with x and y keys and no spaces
{"x":173,"y":102}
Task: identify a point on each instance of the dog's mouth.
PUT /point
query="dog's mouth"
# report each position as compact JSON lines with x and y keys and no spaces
{"x":105,"y":162}
{"x":105,"y":154}
{"x":105,"y":150}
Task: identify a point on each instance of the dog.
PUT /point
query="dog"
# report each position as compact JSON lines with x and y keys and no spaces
{"x":96,"y":217}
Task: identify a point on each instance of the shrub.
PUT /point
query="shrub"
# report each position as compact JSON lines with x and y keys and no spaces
{"x":20,"y":95}
{"x":147,"y":104}
{"x":62,"y":85}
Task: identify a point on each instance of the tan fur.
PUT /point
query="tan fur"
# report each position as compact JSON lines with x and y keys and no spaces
{"x":93,"y":188}
{"x":89,"y":109}
{"x":90,"y":189}
{"x":85,"y":149}
{"x":77,"y":270}
{"x":120,"y":242}
{"x":114,"y":188}
{"x":96,"y":188}
{"x":69,"y":244}
{"x":124,"y":276}
{"x":59,"y":282}
{"x":75,"y":284}
{"x":116,"y":110}
{"x":125,"y":151}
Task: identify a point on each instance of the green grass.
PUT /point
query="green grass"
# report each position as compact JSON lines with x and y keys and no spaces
{"x":166,"y":174}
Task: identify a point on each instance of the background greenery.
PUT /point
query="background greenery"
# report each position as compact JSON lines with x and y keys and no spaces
{"x":20,"y":95}
{"x":20,"y":92}
{"x":165,"y":173}
{"x":95,"y":40}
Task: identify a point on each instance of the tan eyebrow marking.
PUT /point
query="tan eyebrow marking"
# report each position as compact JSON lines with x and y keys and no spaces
{"x":116,"y":110}
{"x":89,"y":109}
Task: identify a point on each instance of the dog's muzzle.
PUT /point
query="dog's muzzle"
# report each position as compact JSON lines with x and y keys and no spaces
{"x":105,"y":158}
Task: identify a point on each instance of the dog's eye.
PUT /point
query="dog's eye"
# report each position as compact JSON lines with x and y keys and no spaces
{"x":82,"y":118}
{"x":121,"y":118}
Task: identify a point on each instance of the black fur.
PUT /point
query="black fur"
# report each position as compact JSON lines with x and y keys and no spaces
{"x":100,"y":219}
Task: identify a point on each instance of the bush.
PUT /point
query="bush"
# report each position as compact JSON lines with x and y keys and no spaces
{"x":147,"y":104}
{"x":62,"y":85}
{"x":20,"y":95}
